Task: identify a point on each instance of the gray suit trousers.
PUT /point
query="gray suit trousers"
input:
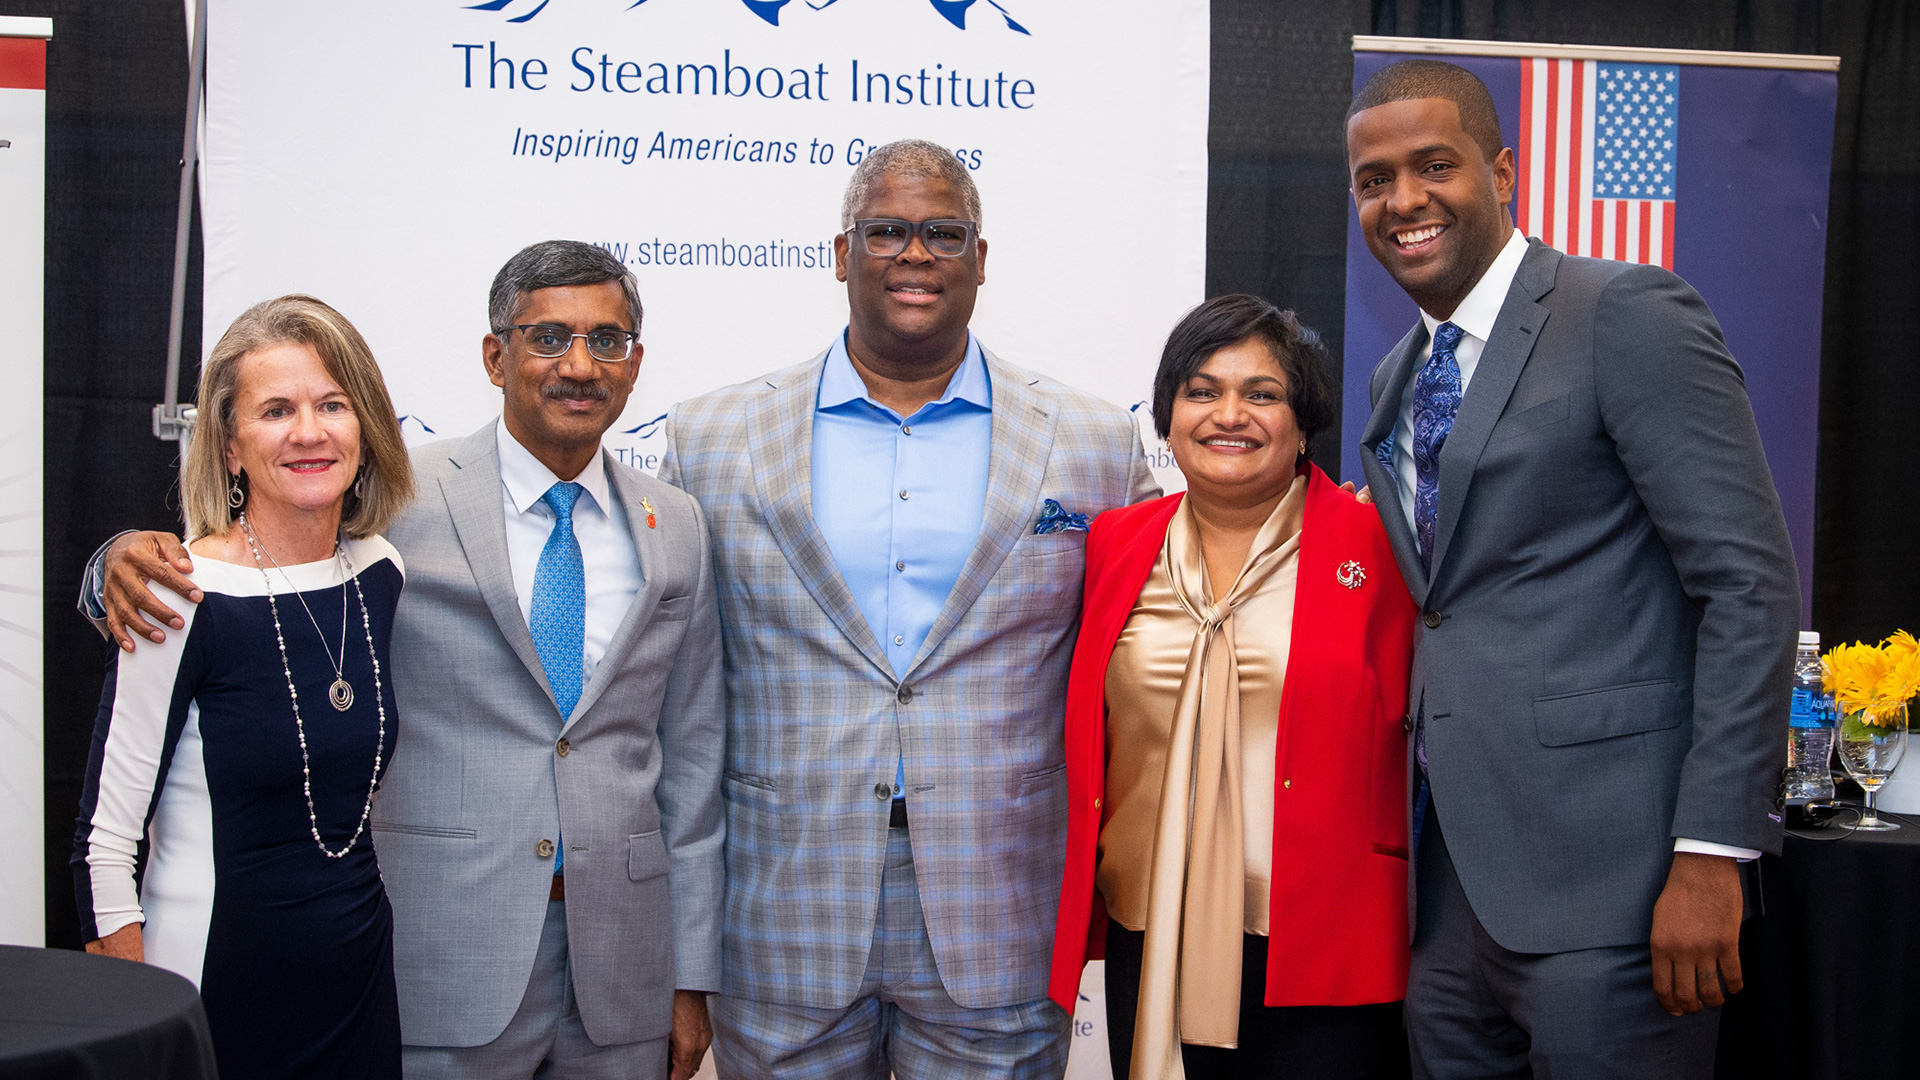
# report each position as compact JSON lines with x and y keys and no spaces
{"x":545,"y":1038}
{"x":1477,"y":1010}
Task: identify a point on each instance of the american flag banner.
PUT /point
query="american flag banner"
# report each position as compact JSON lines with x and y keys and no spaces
{"x":1598,"y":157}
{"x":1608,"y":145}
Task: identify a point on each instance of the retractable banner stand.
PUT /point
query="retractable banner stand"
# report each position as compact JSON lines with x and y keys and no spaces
{"x":388,"y":158}
{"x":23,"y":197}
{"x":1711,"y":164}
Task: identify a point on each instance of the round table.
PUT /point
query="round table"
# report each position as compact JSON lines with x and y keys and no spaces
{"x":66,"y":1014}
{"x":1832,"y":966}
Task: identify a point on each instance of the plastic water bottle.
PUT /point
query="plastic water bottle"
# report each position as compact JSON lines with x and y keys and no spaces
{"x":1810,"y":734}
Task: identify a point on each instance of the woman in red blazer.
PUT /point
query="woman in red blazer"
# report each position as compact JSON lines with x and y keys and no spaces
{"x":1236,"y":736}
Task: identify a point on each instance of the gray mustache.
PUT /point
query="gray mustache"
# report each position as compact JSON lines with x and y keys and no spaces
{"x":570,"y":389}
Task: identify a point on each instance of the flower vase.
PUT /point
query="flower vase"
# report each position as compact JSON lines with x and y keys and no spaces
{"x":1871,"y":747}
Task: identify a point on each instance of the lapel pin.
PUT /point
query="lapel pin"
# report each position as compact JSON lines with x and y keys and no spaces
{"x":648,"y":507}
{"x":1351,"y":574}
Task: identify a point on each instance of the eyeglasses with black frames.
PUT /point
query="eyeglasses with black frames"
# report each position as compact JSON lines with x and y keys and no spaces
{"x":888,"y":237}
{"x":549,"y":340}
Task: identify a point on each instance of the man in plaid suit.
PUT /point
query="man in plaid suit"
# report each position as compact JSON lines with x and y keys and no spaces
{"x":898,"y":529}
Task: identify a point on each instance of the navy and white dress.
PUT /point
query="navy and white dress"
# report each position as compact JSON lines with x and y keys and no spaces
{"x":192,"y":818}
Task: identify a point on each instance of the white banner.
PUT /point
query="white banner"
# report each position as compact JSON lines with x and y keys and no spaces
{"x":388,"y":158}
{"x":23,"y":193}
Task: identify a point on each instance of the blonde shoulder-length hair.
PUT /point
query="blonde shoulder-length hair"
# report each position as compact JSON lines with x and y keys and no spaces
{"x":386,"y":480}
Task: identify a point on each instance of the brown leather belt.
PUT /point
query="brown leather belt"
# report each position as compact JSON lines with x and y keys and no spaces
{"x":897,"y":819}
{"x":559,"y":889}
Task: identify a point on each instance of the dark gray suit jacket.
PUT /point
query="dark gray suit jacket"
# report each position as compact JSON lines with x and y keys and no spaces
{"x":1607,"y":637}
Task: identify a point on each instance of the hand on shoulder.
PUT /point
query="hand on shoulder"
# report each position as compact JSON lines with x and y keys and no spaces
{"x":130,"y":563}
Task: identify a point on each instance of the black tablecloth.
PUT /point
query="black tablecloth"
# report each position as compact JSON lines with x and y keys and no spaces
{"x":1833,"y":966}
{"x":68,"y":1014}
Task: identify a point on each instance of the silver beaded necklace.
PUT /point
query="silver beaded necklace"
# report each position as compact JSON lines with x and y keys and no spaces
{"x":380,"y":743}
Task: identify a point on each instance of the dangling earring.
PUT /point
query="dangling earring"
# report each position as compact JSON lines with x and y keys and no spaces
{"x":236,"y":494}
{"x":359,"y":482}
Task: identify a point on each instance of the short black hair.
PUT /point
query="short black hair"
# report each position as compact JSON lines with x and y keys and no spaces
{"x":552,"y":264}
{"x":1229,"y":320}
{"x":1411,"y":80}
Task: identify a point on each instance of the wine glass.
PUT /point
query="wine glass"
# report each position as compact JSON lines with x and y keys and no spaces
{"x":1871,"y":752}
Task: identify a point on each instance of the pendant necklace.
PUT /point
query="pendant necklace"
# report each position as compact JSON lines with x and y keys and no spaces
{"x":340,"y":694}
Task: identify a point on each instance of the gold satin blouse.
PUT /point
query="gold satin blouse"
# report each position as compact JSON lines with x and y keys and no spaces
{"x":1143,"y":688}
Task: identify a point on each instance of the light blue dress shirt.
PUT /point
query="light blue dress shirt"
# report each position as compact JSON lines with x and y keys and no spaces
{"x":900,"y":500}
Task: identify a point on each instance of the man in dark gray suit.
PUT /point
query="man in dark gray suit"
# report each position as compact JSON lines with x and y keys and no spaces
{"x":550,"y":832}
{"x":1568,"y":467}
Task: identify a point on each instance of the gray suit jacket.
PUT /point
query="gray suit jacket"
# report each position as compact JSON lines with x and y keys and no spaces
{"x":476,"y":781}
{"x":1607,"y":637}
{"x":816,"y":719}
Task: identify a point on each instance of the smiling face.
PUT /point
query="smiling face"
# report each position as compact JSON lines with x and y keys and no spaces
{"x":1232,"y":432}
{"x":294,"y":431}
{"x":1432,"y":207}
{"x":912,"y":306}
{"x":558,"y":407}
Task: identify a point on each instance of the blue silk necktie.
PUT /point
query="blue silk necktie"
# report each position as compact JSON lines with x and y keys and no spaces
{"x":558,"y":619}
{"x":1436,"y":401}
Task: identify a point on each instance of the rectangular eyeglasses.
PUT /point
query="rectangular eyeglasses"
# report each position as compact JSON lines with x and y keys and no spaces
{"x":888,"y":237}
{"x":606,"y":344}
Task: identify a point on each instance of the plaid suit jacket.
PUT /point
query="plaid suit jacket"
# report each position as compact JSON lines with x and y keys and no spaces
{"x":816,"y":718}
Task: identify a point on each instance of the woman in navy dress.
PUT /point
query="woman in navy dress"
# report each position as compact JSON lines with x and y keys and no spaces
{"x":223,"y":824}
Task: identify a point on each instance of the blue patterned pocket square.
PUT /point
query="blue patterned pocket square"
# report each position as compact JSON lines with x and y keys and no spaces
{"x":1055,"y":519}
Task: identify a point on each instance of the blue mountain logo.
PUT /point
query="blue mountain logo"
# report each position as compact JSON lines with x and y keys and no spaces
{"x":652,"y":427}
{"x":954,"y":11}
{"x":502,"y":5}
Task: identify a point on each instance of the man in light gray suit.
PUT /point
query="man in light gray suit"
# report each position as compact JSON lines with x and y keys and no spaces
{"x":1569,"y":470}
{"x":550,"y":831}
{"x":899,"y":538}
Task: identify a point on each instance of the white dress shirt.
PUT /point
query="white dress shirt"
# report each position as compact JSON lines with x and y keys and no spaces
{"x":1475,"y":317}
{"x":608,"y":559}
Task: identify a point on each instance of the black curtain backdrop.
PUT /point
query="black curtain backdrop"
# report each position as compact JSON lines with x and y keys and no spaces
{"x":1276,"y":226}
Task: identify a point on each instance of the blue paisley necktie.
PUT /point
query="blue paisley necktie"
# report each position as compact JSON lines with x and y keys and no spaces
{"x":1436,"y":401}
{"x":559,"y":610}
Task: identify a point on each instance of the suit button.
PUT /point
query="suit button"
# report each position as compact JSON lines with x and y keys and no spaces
{"x":1406,"y":722}
{"x":544,"y":849}
{"x":1096,"y":804}
{"x":1432,"y":620}
{"x":883,"y":791}
{"x":563,"y":748}
{"x":905,"y":696}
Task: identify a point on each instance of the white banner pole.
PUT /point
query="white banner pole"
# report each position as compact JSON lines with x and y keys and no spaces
{"x":171,"y":420}
{"x":23,"y":191}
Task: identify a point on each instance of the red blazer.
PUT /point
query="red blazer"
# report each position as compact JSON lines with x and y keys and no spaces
{"x":1339,"y":915}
